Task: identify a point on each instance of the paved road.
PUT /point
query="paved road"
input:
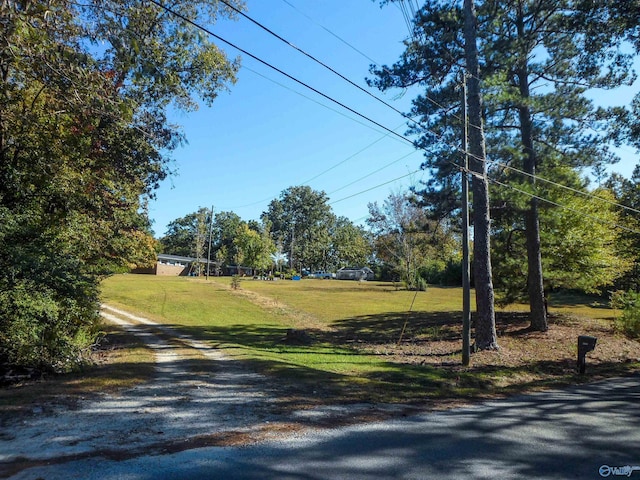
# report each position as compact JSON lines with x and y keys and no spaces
{"x":562,"y":434}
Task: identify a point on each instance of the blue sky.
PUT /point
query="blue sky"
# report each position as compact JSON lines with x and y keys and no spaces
{"x":268,"y":133}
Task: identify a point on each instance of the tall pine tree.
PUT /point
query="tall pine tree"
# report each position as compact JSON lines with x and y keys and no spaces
{"x":538,"y":60}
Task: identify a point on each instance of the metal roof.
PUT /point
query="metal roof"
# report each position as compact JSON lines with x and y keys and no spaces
{"x":175,"y":258}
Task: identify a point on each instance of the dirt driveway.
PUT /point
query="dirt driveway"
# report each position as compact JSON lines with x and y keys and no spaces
{"x":189,"y":403}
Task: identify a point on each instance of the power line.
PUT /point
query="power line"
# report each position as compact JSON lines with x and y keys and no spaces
{"x":377,"y":64}
{"x":402,"y":137}
{"x":409,"y":10}
{"x":321,"y":104}
{"x":574,"y":210}
{"x":340,"y":162}
{"x":209,"y":32}
{"x":331,"y":33}
{"x":352,"y":156}
{"x":335,"y":72}
{"x":319,"y":62}
{"x":566,"y":187}
{"x":291,"y":77}
{"x":373,"y":188}
{"x":392,"y":132}
{"x":438,"y":136}
{"x":373,"y":173}
{"x":282,"y":39}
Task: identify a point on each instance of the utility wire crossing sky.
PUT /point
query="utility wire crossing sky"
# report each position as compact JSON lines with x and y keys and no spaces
{"x":300,"y":118}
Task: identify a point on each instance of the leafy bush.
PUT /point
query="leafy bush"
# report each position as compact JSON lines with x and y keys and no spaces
{"x":418,"y":283}
{"x":40,"y":329}
{"x":235,"y":282}
{"x":438,"y":272}
{"x":629,"y":321}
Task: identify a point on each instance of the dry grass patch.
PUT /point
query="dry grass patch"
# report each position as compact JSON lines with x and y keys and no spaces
{"x":121,"y":361}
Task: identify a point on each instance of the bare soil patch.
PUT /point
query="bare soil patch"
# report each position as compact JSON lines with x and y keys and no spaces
{"x":526,"y":359}
{"x":439,"y":344}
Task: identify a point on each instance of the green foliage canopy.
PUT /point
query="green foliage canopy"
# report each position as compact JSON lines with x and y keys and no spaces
{"x":538,"y":60}
{"x":84,"y":138}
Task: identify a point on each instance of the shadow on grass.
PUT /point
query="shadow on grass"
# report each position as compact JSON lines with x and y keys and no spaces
{"x":353,"y":370}
{"x":567,"y":299}
{"x":335,"y":368}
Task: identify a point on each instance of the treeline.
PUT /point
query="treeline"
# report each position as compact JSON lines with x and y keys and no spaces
{"x":299,"y":231}
{"x":589,"y":242}
{"x":84,"y":139}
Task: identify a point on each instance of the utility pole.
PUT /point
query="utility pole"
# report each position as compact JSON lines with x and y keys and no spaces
{"x":210,"y":235}
{"x":293,"y":239}
{"x":466,"y":278}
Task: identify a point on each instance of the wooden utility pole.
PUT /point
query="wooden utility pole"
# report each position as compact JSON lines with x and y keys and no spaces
{"x":210,"y":235}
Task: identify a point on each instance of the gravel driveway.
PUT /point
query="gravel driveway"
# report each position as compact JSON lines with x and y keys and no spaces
{"x":190,"y":402}
{"x":198,"y":397}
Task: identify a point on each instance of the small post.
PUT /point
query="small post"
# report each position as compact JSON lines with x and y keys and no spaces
{"x":585,"y":345}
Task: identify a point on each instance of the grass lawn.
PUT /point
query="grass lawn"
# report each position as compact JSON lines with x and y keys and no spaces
{"x":365,"y":345}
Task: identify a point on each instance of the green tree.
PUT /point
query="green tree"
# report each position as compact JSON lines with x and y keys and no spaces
{"x":254,"y":247}
{"x":300,"y":220}
{"x":84,"y":139}
{"x":542,"y":44}
{"x":626,"y":192}
{"x":406,"y":239}
{"x":226,"y":226}
{"x":350,"y":245}
{"x":188,"y":236}
{"x":580,"y":241}
{"x":538,"y":58}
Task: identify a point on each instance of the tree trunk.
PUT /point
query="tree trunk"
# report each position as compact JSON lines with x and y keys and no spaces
{"x":486,"y":338}
{"x":535,"y":281}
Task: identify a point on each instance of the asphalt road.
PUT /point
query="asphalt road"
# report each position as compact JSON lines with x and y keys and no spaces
{"x":581,"y":432}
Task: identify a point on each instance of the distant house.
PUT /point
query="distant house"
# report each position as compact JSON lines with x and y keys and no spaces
{"x":355,"y":273}
{"x":169,"y":265}
{"x":173,"y":265}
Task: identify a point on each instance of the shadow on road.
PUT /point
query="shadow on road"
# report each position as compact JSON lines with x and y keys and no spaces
{"x":560,"y":434}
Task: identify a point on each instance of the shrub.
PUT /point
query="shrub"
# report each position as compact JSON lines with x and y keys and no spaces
{"x":42,"y":330}
{"x":421,"y":284}
{"x":629,"y":321}
{"x":235,"y":282}
{"x":418,"y":283}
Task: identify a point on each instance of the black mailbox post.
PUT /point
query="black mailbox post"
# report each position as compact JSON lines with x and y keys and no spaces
{"x":585,"y":345}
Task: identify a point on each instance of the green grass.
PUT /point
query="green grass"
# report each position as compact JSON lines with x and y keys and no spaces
{"x":333,"y":300}
{"x":253,"y":328}
{"x":348,"y":321}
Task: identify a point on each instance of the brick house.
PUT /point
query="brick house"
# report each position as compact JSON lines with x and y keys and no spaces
{"x":169,"y":265}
